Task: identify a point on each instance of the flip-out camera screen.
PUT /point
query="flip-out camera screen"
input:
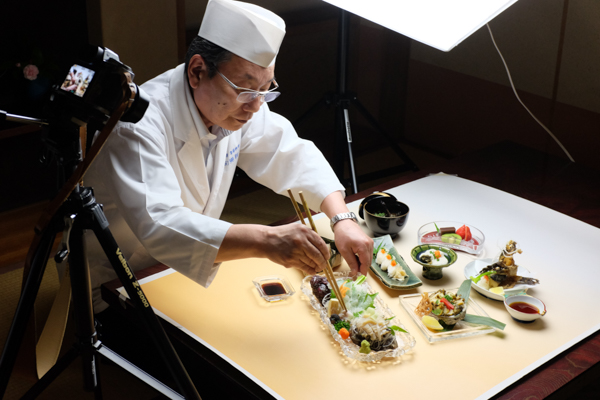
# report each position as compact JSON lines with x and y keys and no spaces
{"x":78,"y":80}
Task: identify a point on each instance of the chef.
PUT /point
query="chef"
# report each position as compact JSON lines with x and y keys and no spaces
{"x":164,"y":180}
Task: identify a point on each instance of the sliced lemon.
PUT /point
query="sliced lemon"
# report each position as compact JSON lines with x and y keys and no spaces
{"x":497,"y":290}
{"x":431,"y":323}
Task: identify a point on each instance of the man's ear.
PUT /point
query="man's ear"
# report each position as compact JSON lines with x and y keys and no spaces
{"x":196,"y":70}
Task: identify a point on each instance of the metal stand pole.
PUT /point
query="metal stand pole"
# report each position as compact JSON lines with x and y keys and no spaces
{"x":342,"y":100}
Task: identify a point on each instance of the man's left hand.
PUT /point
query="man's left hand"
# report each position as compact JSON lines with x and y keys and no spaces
{"x":354,"y":245}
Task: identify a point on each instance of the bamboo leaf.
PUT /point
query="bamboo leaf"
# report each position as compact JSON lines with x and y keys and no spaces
{"x":481,"y":320}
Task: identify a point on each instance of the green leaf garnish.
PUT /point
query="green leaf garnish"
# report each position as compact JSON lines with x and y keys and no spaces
{"x":341,"y":324}
{"x":397,"y":329}
{"x":481,"y":320}
{"x":360,"y":280}
{"x":465,"y":290}
{"x":478,"y":277}
{"x":436,"y":228}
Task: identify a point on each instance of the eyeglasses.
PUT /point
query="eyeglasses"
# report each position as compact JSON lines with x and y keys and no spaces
{"x":249,"y":95}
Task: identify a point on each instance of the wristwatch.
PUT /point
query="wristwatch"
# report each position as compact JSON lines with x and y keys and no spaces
{"x":341,"y":216}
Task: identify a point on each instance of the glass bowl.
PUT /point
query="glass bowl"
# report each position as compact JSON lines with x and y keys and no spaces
{"x":405,"y":340}
{"x":428,"y":234}
{"x":273,"y":288}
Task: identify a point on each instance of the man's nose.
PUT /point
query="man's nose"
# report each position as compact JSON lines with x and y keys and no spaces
{"x":254,"y":105}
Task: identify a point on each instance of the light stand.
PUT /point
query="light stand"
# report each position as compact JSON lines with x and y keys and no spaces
{"x":342,"y":100}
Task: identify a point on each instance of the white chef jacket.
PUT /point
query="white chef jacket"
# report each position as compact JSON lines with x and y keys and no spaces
{"x":163,"y":196}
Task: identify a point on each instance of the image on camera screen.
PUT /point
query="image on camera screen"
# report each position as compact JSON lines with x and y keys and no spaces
{"x":78,"y":80}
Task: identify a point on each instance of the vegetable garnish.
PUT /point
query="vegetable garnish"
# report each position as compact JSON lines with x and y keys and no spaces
{"x":481,"y":320}
{"x":465,"y":291}
{"x":343,"y":290}
{"x":396,"y":328}
{"x":436,"y":228}
{"x":341,"y":325}
{"x":447,"y":303}
{"x":478,"y":277}
{"x":375,"y":251}
{"x":344,"y":333}
{"x":360,"y":280}
{"x":437,"y":254}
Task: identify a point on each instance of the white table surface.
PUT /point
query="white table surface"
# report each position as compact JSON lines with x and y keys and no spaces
{"x":557,"y":249}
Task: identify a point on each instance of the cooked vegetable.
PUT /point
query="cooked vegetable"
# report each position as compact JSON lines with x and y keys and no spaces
{"x":447,"y":303}
{"x":344,"y":333}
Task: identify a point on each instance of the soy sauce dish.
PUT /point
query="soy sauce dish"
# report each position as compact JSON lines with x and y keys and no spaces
{"x":524,"y":308}
{"x":273,"y":288}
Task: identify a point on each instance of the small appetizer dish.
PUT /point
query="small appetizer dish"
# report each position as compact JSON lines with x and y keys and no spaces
{"x":273,"y":288}
{"x":390,"y":267}
{"x":368,"y":330}
{"x":433,"y":258}
{"x":501,"y":277}
{"x":454,"y":235}
{"x":524,"y":308}
{"x":385,"y":215}
{"x":449,"y":314}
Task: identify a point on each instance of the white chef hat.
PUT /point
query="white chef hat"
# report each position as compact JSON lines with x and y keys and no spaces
{"x":246,"y":30}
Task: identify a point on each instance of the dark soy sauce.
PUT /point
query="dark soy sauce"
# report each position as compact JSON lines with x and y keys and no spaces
{"x":525,"y":307}
{"x":273,"y":288}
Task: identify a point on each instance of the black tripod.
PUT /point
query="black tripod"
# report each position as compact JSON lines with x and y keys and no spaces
{"x":342,"y":100}
{"x":78,"y":213}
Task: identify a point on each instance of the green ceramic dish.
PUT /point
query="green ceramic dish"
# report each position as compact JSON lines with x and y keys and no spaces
{"x":430,"y":271}
{"x":409,"y":283}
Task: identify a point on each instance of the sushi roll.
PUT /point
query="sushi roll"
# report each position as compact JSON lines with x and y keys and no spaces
{"x":387,"y":261}
{"x":380,"y":256}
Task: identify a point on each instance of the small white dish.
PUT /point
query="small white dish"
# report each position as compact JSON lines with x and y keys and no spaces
{"x":472,"y":270}
{"x":529,"y":308}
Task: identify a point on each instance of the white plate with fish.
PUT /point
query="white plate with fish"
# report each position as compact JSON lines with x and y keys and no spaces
{"x":472,"y":270}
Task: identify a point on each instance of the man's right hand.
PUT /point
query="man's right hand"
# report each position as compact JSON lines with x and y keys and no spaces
{"x":292,"y":245}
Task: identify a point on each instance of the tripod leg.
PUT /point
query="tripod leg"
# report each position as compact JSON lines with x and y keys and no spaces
{"x":319,"y":104}
{"x":37,"y":265}
{"x":82,"y":308}
{"x":409,"y":164}
{"x":142,"y":306}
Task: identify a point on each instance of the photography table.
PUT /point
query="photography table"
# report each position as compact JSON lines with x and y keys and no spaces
{"x":282,"y":350}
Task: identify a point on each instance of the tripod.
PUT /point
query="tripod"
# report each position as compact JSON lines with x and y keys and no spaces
{"x":342,"y":100}
{"x":75,"y":209}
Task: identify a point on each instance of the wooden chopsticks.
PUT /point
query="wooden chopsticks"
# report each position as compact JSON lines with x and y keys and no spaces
{"x":328,"y":270}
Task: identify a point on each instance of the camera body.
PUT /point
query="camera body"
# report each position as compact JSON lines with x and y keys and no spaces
{"x":96,"y":86}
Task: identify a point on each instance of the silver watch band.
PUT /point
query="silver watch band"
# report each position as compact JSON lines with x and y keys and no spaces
{"x":347,"y":215}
